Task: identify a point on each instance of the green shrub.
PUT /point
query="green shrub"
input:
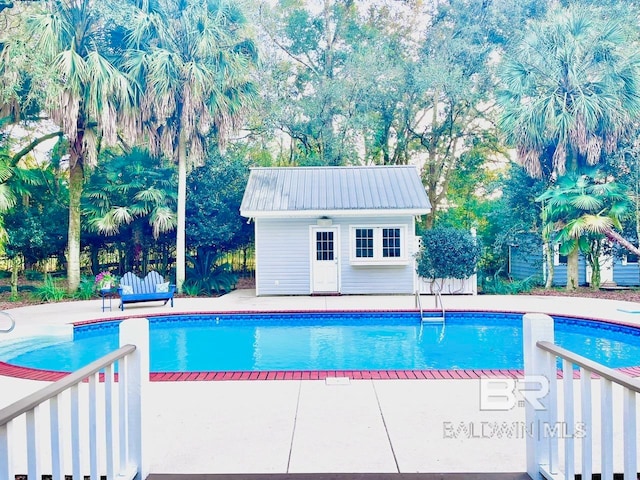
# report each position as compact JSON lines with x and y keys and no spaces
{"x":50,"y":291}
{"x":86,"y":289}
{"x":205,"y":276}
{"x":191,"y":288}
{"x":496,"y":285}
{"x":5,"y":274}
{"x":448,"y":253}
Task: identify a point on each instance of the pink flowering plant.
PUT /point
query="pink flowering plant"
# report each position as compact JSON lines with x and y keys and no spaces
{"x":106,"y":280}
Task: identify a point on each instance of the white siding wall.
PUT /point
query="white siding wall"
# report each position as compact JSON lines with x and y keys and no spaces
{"x":283,"y":258}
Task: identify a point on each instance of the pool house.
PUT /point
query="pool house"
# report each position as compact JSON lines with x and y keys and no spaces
{"x":335,"y":230}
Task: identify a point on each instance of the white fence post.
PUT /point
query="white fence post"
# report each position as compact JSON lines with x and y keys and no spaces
{"x":135,"y":331}
{"x":538,"y":364}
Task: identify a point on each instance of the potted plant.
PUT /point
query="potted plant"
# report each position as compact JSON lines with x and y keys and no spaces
{"x":106,"y":280}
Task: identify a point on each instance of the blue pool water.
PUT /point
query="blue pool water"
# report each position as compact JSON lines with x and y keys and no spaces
{"x":333,"y":341}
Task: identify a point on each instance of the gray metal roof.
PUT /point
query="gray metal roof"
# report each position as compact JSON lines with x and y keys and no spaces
{"x":312,"y":190}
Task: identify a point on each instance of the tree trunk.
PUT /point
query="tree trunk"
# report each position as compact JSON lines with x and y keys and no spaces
{"x":15,"y":267}
{"x":593,"y":259}
{"x":182,"y":207}
{"x":596,"y":278}
{"x":76,"y":181}
{"x":572,"y":269}
{"x":616,"y":237}
{"x":549,"y":259}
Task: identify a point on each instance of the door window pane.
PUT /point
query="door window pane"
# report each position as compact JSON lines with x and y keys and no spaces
{"x":324,"y":246}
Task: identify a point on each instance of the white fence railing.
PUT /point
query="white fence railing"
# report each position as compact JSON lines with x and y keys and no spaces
{"x":570,"y":423}
{"x":90,"y":428}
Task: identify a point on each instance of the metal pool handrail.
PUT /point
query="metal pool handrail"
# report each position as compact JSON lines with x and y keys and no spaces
{"x":13,"y":322}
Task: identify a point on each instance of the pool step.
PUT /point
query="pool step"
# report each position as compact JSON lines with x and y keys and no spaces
{"x":13,"y":348}
{"x":432,"y":319}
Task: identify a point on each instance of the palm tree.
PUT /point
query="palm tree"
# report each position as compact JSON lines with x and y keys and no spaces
{"x":131,"y":189}
{"x":193,"y":62}
{"x":580,"y":211}
{"x":84,"y":92}
{"x":571,"y":92}
{"x":20,"y":179}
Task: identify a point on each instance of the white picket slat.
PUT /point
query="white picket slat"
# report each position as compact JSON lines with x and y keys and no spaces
{"x":630,"y":435}
{"x":606,"y":428}
{"x":587,"y":422}
{"x":569,"y":419}
{"x":33,"y":470}
{"x":56,"y":439}
{"x":93,"y":427}
{"x":75,"y":432}
{"x":123,"y":413}
{"x":108,"y":417}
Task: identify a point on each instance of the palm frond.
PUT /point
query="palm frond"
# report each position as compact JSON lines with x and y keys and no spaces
{"x":597,"y":224}
{"x":162,"y":220}
{"x":151,"y":195}
{"x":120,"y":215}
{"x":586,"y":202}
{"x":7,"y":198}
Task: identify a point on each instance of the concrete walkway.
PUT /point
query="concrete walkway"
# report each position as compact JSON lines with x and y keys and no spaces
{"x":299,"y":426}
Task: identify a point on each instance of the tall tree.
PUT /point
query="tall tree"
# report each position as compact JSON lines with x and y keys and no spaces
{"x":386,"y":83}
{"x":193,"y":62}
{"x":582,"y":210}
{"x":571,"y":92}
{"x":213,"y":206}
{"x":71,"y":60}
{"x":310,"y":47}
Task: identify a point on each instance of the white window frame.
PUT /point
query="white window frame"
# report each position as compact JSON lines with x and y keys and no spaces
{"x":625,"y":260}
{"x":377,"y":258}
{"x":556,"y":255}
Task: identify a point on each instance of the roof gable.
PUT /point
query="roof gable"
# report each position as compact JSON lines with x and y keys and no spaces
{"x":334,"y":190}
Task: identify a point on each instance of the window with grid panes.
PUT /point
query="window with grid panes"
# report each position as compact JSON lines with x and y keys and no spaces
{"x":324,"y":246}
{"x":378,"y":245}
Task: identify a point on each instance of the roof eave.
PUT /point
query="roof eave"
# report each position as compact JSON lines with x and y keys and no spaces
{"x":333,"y":213}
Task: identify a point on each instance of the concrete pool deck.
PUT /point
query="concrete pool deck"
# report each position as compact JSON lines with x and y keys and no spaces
{"x":297,"y":426}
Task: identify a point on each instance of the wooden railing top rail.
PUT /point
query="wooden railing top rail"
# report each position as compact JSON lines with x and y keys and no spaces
{"x":28,"y":403}
{"x":605,"y":372}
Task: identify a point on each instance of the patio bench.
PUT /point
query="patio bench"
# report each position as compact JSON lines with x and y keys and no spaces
{"x":134,"y":289}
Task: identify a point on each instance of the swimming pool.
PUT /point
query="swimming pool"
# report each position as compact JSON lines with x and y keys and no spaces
{"x":331,"y":341}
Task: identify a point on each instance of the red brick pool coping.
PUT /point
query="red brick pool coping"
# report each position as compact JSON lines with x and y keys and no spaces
{"x":27,"y":373}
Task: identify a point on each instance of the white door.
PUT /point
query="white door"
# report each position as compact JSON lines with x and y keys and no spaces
{"x":606,"y":269}
{"x":324,"y":252}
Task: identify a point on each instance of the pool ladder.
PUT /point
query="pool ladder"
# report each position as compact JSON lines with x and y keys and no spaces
{"x":439,"y":304}
{"x":12,"y":325}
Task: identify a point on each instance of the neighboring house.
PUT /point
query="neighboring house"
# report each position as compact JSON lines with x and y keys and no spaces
{"x":323,"y":230}
{"x":525,"y":263}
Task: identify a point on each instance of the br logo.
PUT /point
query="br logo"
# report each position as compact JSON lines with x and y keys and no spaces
{"x":507,"y":393}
